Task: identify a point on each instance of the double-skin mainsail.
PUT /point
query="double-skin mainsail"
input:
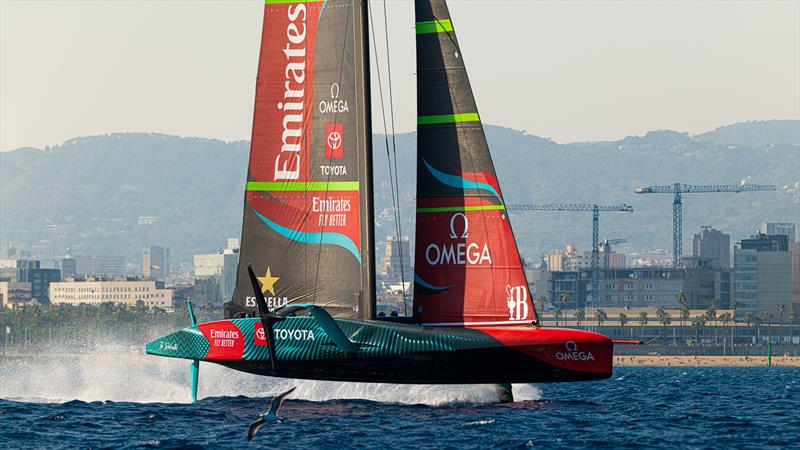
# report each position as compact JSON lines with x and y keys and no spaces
{"x":307,"y":226}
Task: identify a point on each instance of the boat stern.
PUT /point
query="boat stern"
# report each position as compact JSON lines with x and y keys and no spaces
{"x":571,"y":355}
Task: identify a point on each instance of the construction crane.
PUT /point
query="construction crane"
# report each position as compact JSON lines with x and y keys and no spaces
{"x":677,"y":189}
{"x":595,"y":209}
{"x":607,"y":249}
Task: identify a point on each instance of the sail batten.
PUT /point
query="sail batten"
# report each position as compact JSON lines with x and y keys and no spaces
{"x":467,"y":267}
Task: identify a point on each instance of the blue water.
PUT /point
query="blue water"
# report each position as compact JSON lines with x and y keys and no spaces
{"x":640,"y":407}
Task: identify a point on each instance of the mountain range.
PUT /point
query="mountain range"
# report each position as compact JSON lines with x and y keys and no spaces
{"x":93,"y":194}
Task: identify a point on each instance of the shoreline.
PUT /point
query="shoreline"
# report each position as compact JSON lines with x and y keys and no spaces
{"x":704,"y":361}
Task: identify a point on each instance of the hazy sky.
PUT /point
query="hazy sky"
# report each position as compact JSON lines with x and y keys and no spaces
{"x":566,"y":70}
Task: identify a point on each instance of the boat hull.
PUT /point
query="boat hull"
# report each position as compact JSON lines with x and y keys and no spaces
{"x":398,"y":353}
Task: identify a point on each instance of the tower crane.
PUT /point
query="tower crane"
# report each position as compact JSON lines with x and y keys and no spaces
{"x":595,"y":209}
{"x":607,"y":250}
{"x":678,"y":189}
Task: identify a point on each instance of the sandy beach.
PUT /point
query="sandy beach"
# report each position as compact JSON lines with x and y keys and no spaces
{"x":706,"y":361}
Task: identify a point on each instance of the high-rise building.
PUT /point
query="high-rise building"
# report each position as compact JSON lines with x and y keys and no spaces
{"x":155,"y":262}
{"x":230,"y":266}
{"x":208,"y":265}
{"x":764,"y":273}
{"x":396,"y":260}
{"x":712,"y":247}
{"x":99,"y":266}
{"x":220,"y":266}
{"x":111,"y":265}
{"x":85,"y":265}
{"x":8,"y":270}
{"x":69,"y":267}
{"x":571,"y":259}
{"x":29,"y":271}
{"x":773,"y":228}
{"x":207,"y":291}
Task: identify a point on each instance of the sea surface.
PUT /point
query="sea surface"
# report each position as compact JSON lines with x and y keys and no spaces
{"x":135,"y":401}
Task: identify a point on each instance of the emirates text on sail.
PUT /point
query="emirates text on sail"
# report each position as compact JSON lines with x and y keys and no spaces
{"x":287,"y":163}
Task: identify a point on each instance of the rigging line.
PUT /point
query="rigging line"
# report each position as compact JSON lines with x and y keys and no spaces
{"x":395,"y":198}
{"x":328,"y":177}
{"x":394,"y":155}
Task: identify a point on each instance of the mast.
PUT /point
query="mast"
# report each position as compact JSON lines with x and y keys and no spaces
{"x":367,"y":304}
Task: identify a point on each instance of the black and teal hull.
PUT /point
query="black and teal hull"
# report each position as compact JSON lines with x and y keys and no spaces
{"x":396,"y":353}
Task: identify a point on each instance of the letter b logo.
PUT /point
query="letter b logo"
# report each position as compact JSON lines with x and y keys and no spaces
{"x":517,"y":297}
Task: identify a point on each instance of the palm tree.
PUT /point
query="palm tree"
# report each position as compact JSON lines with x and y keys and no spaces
{"x":665,"y":319}
{"x":748,"y":319}
{"x":542,"y":303}
{"x":685,"y":313}
{"x":792,"y":320}
{"x":725,"y":319}
{"x":758,"y":322}
{"x":681,"y":298}
{"x":565,"y":299}
{"x":734,"y":304}
{"x":580,"y":314}
{"x":642,"y":322}
{"x":766,"y":316}
{"x":711,"y":313}
{"x":600,"y":316}
{"x":697,"y":322}
{"x":557,"y":315}
{"x":781,"y":313}
{"x":623,"y":319}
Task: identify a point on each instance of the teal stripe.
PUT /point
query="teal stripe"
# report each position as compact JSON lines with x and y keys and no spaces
{"x":434,"y":26}
{"x":448,"y":118}
{"x":462,"y":208}
{"x":423,"y":283}
{"x":304,"y":237}
{"x":459,"y":182}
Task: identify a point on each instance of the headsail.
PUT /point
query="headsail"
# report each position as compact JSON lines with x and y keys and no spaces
{"x":467,"y":267}
{"x":307,"y":210}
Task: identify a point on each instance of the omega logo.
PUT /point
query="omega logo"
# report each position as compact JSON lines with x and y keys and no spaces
{"x":572,"y":353}
{"x":453,"y":233}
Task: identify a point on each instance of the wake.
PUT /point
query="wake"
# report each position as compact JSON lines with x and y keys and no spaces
{"x":135,"y":377}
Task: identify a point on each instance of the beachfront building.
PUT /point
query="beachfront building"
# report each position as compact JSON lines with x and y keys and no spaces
{"x":643,"y":287}
{"x":767,"y":272}
{"x":115,"y":291}
{"x":14,"y":293}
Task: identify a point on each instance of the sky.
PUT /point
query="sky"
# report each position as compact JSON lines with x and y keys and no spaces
{"x":565,"y":70}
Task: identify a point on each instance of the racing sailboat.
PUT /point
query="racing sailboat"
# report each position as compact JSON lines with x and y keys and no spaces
{"x":304,"y":302}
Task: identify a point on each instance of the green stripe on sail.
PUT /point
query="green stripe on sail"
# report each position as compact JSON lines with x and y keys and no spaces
{"x":302,"y":186}
{"x":462,"y":208}
{"x":448,"y":118}
{"x":290,"y":2}
{"x":435,"y":26}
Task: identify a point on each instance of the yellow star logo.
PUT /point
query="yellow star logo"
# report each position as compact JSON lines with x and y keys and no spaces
{"x":268,"y":282}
